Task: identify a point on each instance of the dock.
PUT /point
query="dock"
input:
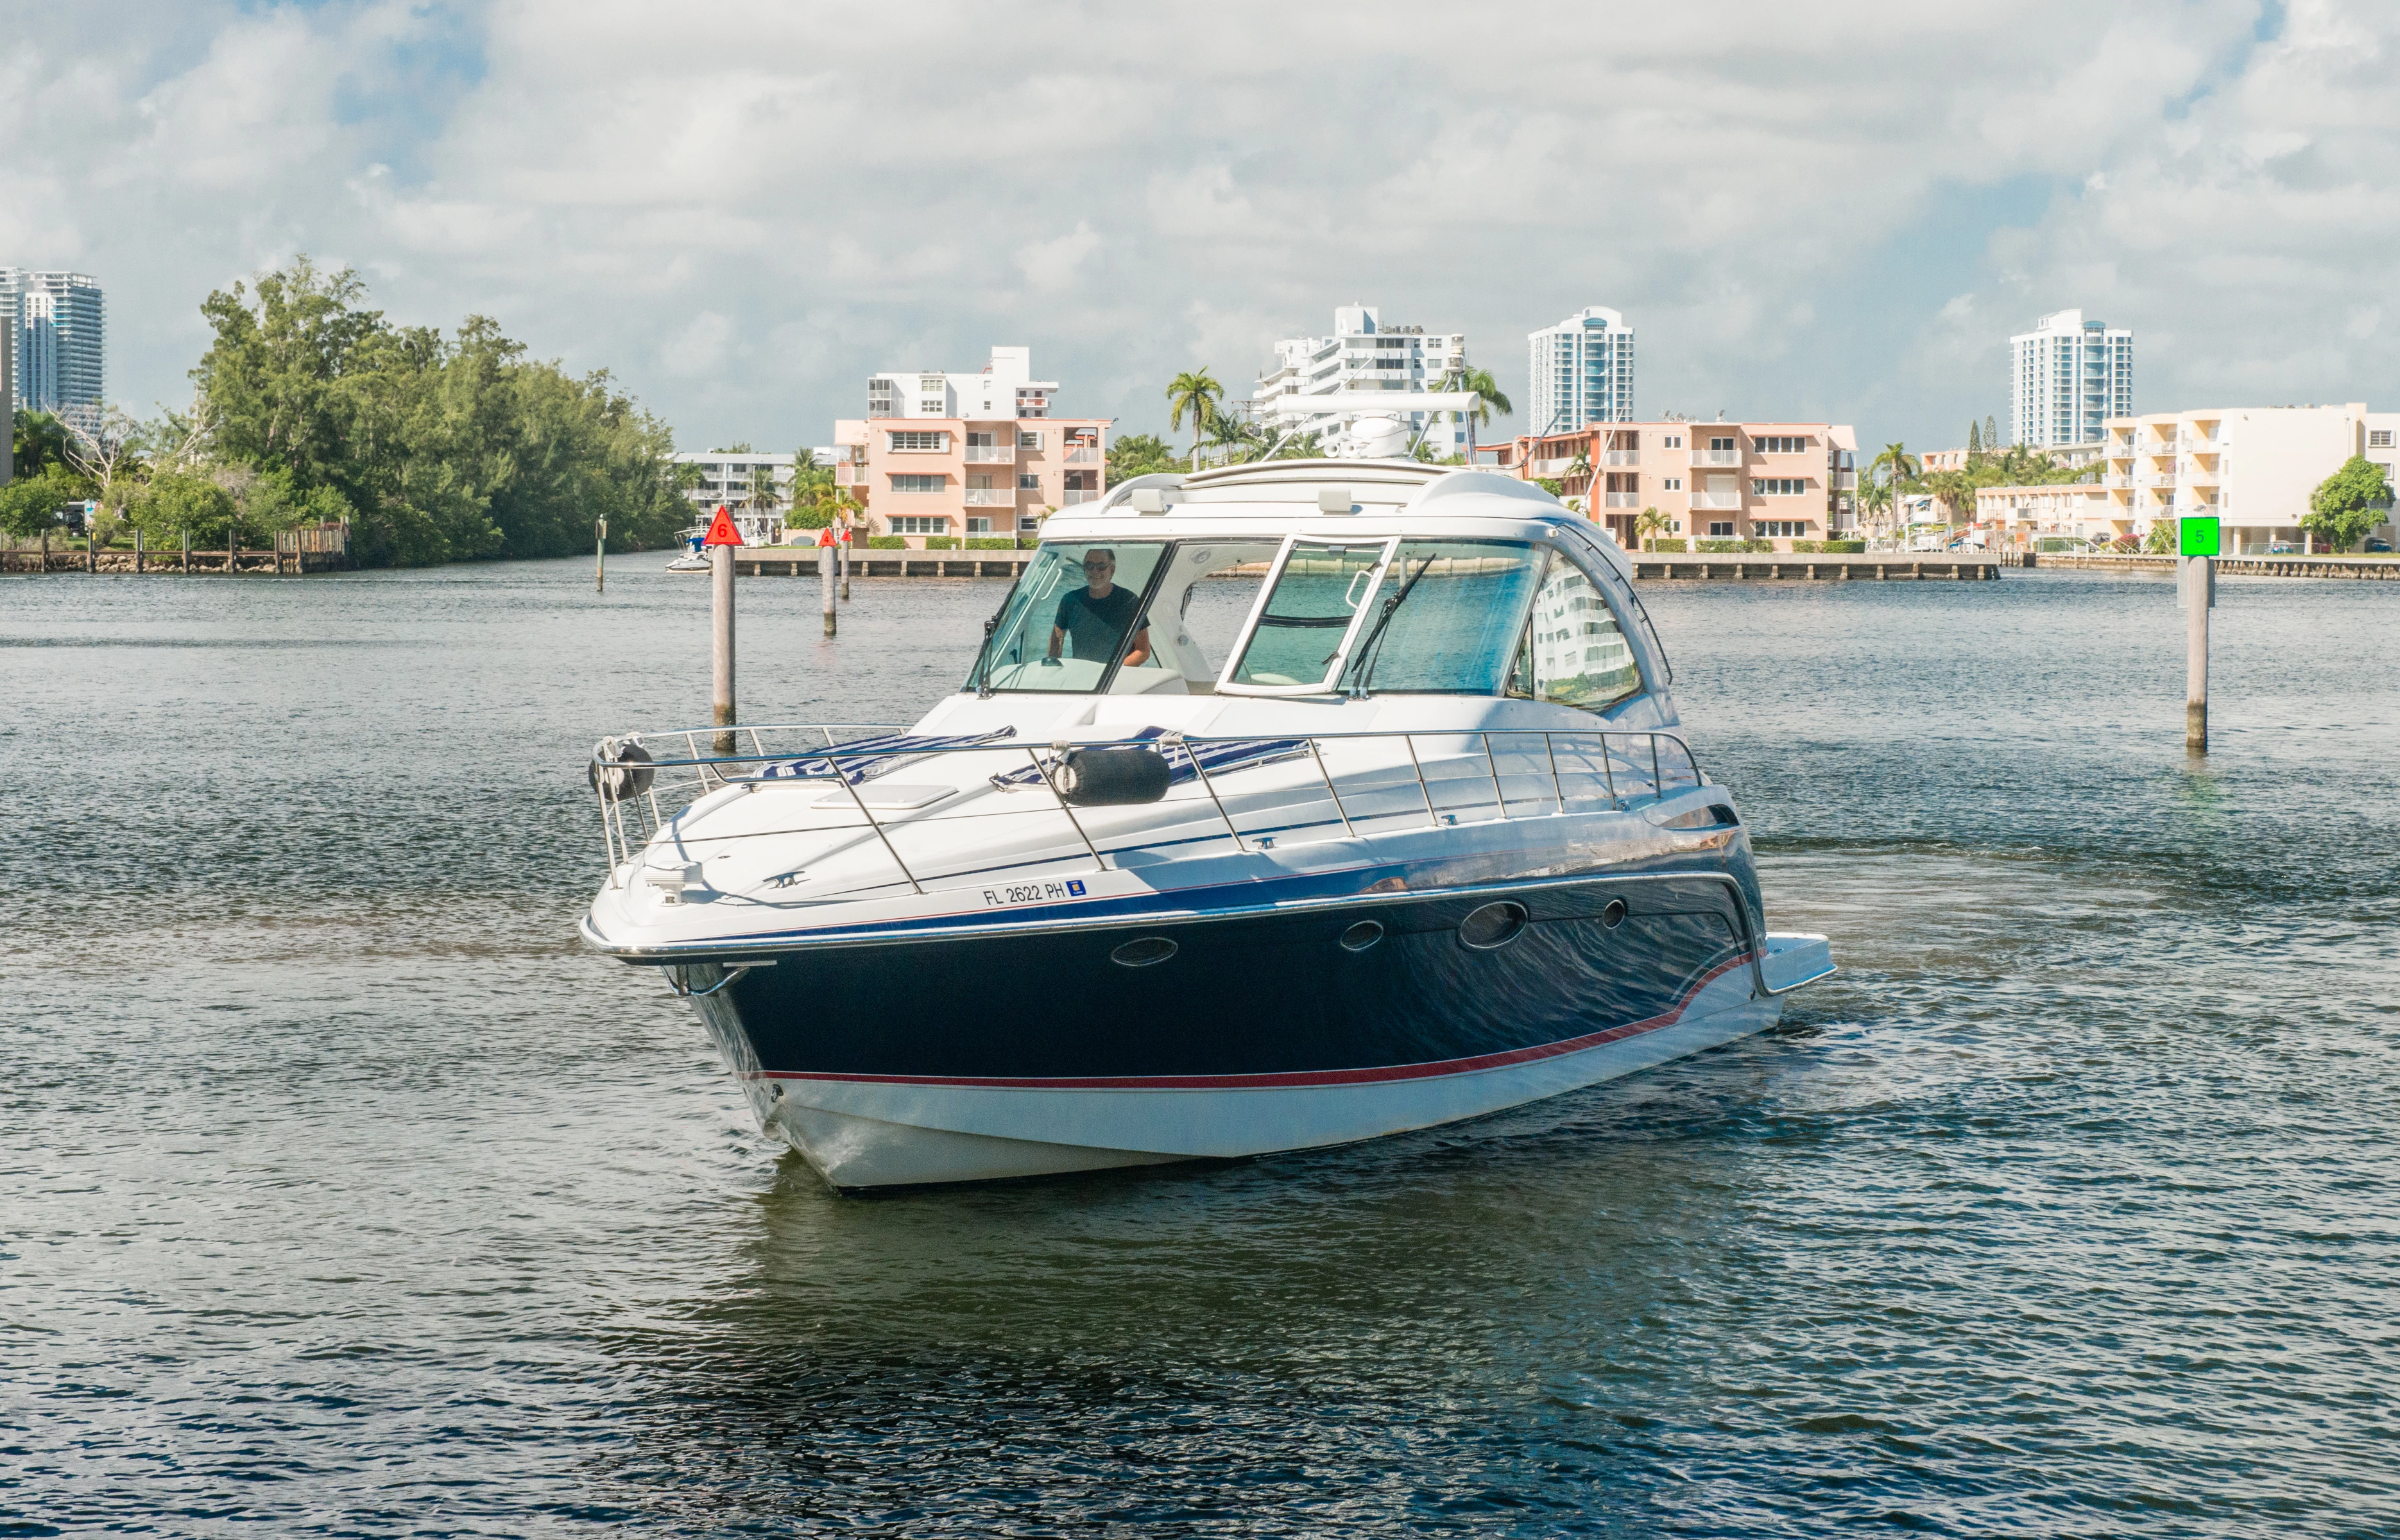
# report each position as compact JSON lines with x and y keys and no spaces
{"x":801,"y":561}
{"x":1819,"y":567}
{"x":294,"y":553}
{"x":2370,"y":567}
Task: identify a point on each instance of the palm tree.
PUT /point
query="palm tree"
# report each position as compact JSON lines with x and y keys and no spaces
{"x":1482,"y":384}
{"x":1198,"y":394}
{"x":1650,"y":524}
{"x":1901,"y":466}
{"x":1875,"y":497}
{"x":1238,"y":440}
{"x":1581,"y":466}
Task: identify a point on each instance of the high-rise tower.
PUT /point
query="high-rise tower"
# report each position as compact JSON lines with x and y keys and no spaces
{"x":1581,"y":371}
{"x":61,"y":330}
{"x":2067,"y":376}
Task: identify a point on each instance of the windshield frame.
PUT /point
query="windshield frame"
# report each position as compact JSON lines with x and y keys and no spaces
{"x":978,"y":680}
{"x":1329,"y":683}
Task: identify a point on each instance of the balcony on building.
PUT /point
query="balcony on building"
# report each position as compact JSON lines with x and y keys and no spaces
{"x":1621,"y":456}
{"x":992,"y":496}
{"x":1073,"y":496}
{"x":1716,"y":456}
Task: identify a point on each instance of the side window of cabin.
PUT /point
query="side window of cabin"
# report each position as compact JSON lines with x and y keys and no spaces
{"x":1573,"y":652}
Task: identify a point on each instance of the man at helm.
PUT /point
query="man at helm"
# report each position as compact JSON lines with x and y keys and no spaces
{"x":1097,"y":616}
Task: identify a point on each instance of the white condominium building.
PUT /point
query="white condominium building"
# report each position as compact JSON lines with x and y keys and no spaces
{"x":1362,"y":354}
{"x":1581,"y":371}
{"x":62,"y":333}
{"x":2252,"y":467}
{"x":2067,"y":376}
{"x":1005,"y":392}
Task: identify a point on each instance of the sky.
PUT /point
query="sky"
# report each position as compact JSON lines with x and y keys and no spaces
{"x":1835,"y":211}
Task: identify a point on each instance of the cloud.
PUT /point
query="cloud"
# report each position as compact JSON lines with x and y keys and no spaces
{"x":1843,"y":215}
{"x":699,"y":347}
{"x":1049,"y":264}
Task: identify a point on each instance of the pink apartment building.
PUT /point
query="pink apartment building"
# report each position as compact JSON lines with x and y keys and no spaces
{"x":1725,"y":480}
{"x":975,"y":456}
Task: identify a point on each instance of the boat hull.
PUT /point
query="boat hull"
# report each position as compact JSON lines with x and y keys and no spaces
{"x":1023,"y":1054}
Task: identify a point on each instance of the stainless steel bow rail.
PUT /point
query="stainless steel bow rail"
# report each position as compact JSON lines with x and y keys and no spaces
{"x":1603,"y":769}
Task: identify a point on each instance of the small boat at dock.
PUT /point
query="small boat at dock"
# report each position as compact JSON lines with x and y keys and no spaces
{"x":1284,"y":805}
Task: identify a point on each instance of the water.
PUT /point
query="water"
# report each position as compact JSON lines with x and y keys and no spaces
{"x":341,"y":1194}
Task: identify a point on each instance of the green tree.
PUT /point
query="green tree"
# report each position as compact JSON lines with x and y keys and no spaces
{"x":1480,"y":382}
{"x":180,"y":502}
{"x":1196,"y":391}
{"x":41,"y":442}
{"x":442,"y":448}
{"x":2349,"y":504}
{"x":1238,"y":439}
{"x":1898,"y":468}
{"x":1875,"y":498}
{"x":1649,"y":525}
{"x":1991,"y":435}
{"x":1134,"y":454}
{"x":1974,"y":442}
{"x":1956,"y":490}
{"x":30,"y":504}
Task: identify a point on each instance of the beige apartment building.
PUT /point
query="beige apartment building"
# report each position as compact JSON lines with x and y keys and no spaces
{"x":2252,"y":467}
{"x":2022,"y":515}
{"x":1778,"y":481}
{"x":969,"y":476}
{"x":967,"y":454}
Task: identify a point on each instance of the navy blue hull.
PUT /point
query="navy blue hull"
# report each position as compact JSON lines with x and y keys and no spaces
{"x":1257,"y":995}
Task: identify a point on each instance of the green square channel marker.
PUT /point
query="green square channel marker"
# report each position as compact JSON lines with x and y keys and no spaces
{"x":2199,"y":537}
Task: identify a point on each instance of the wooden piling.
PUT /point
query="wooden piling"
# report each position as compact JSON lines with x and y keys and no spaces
{"x":599,"y":555}
{"x":844,"y":548}
{"x":720,"y":584}
{"x":138,"y":551}
{"x":187,"y":551}
{"x":825,"y":563}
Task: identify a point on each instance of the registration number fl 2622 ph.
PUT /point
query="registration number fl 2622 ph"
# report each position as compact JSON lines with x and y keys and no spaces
{"x":1032,"y":893}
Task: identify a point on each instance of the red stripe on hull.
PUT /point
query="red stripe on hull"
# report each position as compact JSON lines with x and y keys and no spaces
{"x":1298,"y":1077}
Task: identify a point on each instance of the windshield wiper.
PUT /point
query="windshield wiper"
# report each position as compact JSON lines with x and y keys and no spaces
{"x":1370,"y":653}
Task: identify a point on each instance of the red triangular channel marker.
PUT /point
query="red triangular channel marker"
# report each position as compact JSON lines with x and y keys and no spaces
{"x":721,"y":530}
{"x":825,"y":537}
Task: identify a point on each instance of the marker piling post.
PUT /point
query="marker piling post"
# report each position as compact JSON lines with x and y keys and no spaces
{"x":828,"y":558}
{"x":845,"y":564}
{"x":722,"y":538}
{"x":599,"y":555}
{"x":2198,"y":542}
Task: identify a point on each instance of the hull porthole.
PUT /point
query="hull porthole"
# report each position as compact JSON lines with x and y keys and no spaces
{"x":1614,"y":915}
{"x":1492,"y":926}
{"x":1142,"y":953}
{"x":1365,"y":933}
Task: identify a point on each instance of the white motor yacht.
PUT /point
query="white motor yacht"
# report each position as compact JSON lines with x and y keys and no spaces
{"x":1284,"y":805}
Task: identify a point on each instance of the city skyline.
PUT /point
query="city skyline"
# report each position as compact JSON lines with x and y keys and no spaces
{"x":549,"y":169}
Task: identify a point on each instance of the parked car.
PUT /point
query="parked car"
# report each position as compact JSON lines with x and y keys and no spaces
{"x":2282,"y":548}
{"x":2381,"y":548}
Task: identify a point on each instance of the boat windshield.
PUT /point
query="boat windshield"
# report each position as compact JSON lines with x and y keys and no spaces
{"x":1446,"y":619}
{"x":1075,"y":613}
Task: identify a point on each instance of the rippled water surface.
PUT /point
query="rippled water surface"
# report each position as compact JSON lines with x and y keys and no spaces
{"x":341,"y":1194}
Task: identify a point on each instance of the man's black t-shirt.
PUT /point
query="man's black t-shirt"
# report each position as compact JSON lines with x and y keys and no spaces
{"x":1093,"y":627}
